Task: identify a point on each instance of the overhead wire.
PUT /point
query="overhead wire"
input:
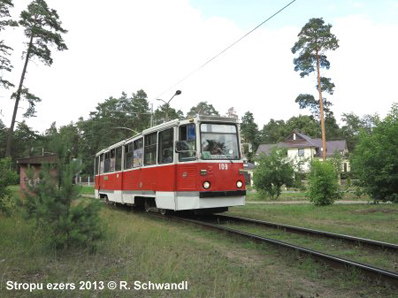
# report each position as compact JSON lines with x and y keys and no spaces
{"x":226,"y":49}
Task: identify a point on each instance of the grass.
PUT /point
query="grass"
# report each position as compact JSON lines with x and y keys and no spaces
{"x":87,"y":190}
{"x":142,"y":248}
{"x":298,"y":195}
{"x":377,"y":222}
{"x":377,"y":257}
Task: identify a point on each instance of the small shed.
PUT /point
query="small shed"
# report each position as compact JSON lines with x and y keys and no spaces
{"x":36,"y":163}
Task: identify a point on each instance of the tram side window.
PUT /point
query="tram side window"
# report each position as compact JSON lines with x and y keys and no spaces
{"x":102,"y":164}
{"x":138,"y":153}
{"x":107,"y":162}
{"x":188,"y":134}
{"x":166,"y":140}
{"x":118,"y":162}
{"x":150,"y":149}
{"x":128,"y":156}
{"x":112,"y":161}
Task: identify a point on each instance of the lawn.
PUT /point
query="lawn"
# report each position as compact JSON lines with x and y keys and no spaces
{"x":374,"y":221}
{"x":138,"y":247}
{"x":298,"y":195}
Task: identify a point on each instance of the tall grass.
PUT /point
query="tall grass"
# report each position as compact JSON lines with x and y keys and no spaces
{"x":139,"y":247}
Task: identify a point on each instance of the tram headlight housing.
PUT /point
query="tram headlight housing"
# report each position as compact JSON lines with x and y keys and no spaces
{"x":239,"y":184}
{"x":206,"y":185}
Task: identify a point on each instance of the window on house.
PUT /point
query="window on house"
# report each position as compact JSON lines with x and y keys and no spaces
{"x":300,"y":152}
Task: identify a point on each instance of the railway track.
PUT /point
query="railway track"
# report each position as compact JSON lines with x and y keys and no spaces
{"x":336,"y":261}
{"x":312,"y":232}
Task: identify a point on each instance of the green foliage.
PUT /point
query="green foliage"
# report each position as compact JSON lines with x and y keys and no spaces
{"x":164,"y":113}
{"x":25,"y":141}
{"x":273,"y":171}
{"x":308,"y":101}
{"x":353,"y":126}
{"x":203,"y":108}
{"x":7,"y":177}
{"x":43,"y":30}
{"x":276,"y":131}
{"x":375,"y":159}
{"x":43,"y":27}
{"x":314,"y":39}
{"x":52,"y":203}
{"x":3,"y":138}
{"x":249,"y":133}
{"x":99,"y":131}
{"x":323,"y":183}
{"x":5,"y":21}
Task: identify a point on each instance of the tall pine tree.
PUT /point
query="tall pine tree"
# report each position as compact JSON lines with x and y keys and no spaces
{"x":42,"y":29}
{"x":314,"y":40}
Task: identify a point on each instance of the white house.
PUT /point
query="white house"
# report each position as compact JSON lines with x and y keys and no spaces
{"x":301,"y":149}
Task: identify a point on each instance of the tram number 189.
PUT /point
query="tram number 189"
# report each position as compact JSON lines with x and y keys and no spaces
{"x":223,"y":166}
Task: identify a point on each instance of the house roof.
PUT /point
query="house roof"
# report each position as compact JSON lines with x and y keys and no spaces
{"x":38,"y":160}
{"x":299,"y":140}
{"x":331,"y":146}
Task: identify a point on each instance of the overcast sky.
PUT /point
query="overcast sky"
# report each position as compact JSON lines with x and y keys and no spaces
{"x":127,"y":45}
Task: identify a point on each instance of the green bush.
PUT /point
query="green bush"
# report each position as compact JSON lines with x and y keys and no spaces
{"x":375,"y":159}
{"x":272,"y":172}
{"x":323,"y":183}
{"x":7,"y":177}
{"x":53,"y":204}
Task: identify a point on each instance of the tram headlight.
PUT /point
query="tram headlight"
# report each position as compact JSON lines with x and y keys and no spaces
{"x":206,"y":185}
{"x":239,"y":184}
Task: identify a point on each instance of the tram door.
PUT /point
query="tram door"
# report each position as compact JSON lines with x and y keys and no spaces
{"x":118,"y":182}
{"x":187,"y":166}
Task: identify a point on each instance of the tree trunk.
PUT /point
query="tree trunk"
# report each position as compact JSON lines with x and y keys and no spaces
{"x":17,"y":99}
{"x":321,"y":107}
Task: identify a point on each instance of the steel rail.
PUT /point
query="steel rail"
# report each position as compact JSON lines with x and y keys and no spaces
{"x":369,"y":270}
{"x":369,"y":242}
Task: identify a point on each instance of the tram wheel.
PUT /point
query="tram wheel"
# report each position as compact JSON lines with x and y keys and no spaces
{"x":147,"y":205}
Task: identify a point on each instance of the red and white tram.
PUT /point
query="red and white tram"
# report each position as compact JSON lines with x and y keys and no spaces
{"x":192,"y":164}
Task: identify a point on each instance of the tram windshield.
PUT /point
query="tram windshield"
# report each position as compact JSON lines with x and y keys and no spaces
{"x":219,"y":141}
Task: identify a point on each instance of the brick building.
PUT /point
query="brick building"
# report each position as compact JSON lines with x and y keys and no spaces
{"x":35,"y":162}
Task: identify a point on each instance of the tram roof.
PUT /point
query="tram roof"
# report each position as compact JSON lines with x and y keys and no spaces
{"x":172,"y":123}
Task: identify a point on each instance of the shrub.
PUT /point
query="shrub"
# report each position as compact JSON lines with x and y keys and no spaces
{"x":53,"y":204}
{"x":323,"y":183}
{"x":273,"y":171}
{"x":375,"y":159}
{"x":7,"y":177}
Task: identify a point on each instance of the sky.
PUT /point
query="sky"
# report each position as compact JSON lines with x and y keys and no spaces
{"x":128,"y":45}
